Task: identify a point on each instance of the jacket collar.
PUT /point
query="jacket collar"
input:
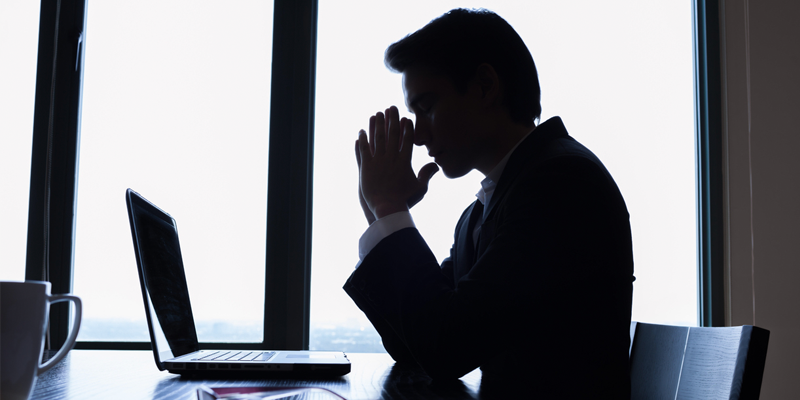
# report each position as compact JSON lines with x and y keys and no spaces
{"x":525,"y":153}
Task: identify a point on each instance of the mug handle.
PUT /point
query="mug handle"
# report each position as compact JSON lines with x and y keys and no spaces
{"x":76,"y":324}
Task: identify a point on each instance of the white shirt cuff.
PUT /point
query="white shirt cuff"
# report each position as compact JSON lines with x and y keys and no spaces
{"x":380,"y":229}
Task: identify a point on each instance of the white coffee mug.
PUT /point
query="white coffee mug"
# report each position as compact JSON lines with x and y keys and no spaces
{"x":24,"y":311}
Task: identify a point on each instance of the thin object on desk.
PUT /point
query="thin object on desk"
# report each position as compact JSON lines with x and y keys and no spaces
{"x":263,"y":393}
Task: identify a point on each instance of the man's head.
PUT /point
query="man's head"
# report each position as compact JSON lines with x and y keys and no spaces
{"x":456,"y":43}
{"x":472,"y":84}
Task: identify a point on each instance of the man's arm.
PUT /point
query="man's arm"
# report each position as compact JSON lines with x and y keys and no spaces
{"x":387,"y":128}
{"x":382,"y":228}
{"x":558,"y":260}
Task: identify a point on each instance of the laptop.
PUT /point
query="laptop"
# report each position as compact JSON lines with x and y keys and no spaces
{"x":169,"y":311}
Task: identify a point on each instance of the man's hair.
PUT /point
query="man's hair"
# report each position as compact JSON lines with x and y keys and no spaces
{"x":457,"y":42}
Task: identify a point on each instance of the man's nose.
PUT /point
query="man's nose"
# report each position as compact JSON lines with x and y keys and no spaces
{"x":421,"y":133}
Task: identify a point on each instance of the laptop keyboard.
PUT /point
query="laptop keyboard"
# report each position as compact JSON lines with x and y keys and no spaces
{"x":237,"y":356}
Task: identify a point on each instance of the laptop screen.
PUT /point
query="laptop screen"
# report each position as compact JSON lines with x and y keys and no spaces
{"x":155,"y":237}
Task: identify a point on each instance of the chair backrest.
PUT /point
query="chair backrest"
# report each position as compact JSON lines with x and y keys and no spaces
{"x":680,"y":362}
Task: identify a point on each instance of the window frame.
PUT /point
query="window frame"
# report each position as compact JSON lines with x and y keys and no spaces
{"x":54,"y":155}
{"x":55,"y":159}
{"x":708,"y":163}
{"x":56,"y":149}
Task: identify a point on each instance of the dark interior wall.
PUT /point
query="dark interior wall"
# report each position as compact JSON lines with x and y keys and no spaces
{"x":761,"y":125}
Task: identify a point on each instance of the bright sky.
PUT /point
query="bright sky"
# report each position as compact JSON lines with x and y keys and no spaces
{"x":618,"y":73}
{"x":186,"y":100}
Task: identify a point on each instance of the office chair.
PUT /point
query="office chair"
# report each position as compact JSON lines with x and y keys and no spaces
{"x":680,"y":362}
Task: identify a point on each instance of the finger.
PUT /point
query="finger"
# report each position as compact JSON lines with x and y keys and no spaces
{"x":362,"y":147}
{"x":402,"y":126}
{"x":387,"y":112}
{"x":427,"y":172}
{"x":372,"y":135}
{"x":380,"y":134}
{"x":403,"y":130}
{"x":407,"y":141}
{"x":358,"y":152}
{"x":394,"y":131}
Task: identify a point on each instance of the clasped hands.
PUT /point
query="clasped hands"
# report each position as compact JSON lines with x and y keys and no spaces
{"x":387,"y":183}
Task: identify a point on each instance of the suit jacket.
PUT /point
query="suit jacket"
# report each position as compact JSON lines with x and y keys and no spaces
{"x":542,"y":304}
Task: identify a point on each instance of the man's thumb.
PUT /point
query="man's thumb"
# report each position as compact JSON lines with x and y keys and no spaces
{"x":427,"y":172}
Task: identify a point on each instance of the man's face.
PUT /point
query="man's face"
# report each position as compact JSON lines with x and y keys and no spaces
{"x":446,"y":122}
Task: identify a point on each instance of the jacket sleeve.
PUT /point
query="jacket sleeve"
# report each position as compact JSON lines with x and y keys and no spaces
{"x":356,"y":287}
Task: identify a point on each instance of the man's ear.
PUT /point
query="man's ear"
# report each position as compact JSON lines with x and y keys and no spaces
{"x":489,"y":84}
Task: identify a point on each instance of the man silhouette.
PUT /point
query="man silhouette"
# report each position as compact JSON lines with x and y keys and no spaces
{"x":538,"y":286}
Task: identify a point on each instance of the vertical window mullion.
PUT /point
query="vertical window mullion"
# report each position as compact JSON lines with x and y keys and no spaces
{"x":286,"y":310}
{"x":708,"y":119}
{"x":54,"y":157}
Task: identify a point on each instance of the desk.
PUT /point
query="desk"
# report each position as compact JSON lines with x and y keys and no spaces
{"x":111,"y":374}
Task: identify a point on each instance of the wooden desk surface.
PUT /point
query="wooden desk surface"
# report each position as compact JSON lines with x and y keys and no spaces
{"x":107,"y":374}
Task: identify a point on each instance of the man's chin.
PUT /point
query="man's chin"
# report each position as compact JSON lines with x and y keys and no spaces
{"x":453,"y":173}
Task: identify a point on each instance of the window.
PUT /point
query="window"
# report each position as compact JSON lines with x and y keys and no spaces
{"x":618,"y":73}
{"x":292,"y":145}
{"x":19,"y":31}
{"x":179,"y":112}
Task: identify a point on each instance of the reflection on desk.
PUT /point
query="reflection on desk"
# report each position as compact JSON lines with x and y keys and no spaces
{"x":107,"y":374}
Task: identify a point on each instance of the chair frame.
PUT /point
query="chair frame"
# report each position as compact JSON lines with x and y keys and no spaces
{"x":677,"y":362}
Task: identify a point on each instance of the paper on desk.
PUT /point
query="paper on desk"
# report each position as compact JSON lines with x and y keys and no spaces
{"x":265,"y":393}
